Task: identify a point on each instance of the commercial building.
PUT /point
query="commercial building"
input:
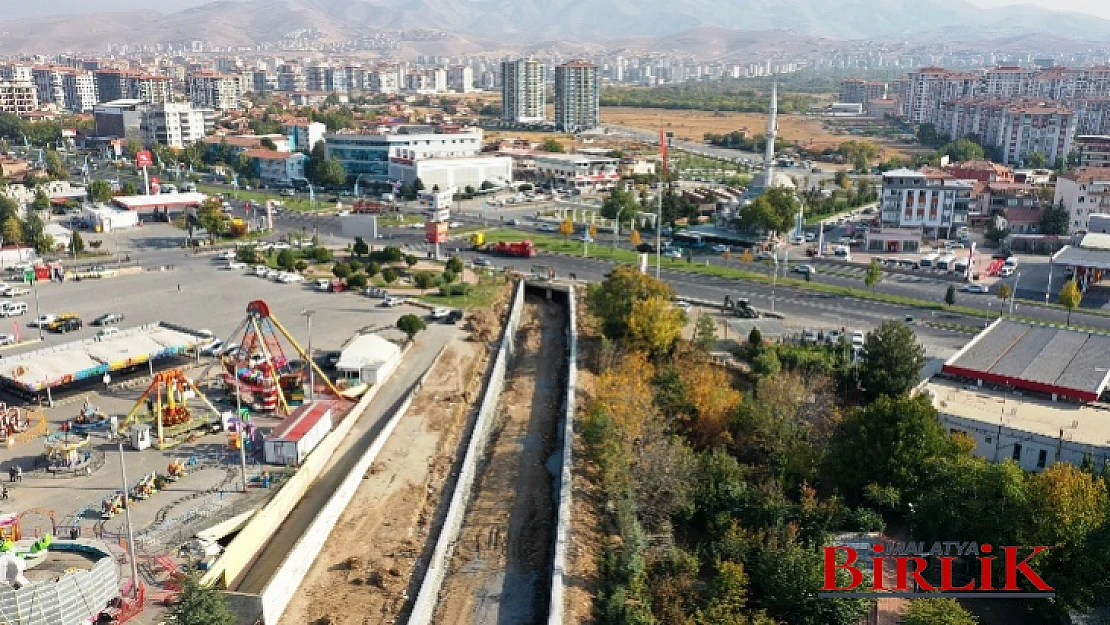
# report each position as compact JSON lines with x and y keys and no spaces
{"x":523,"y":91}
{"x":369,"y":359}
{"x":580,"y":171}
{"x":1083,"y":192}
{"x":1025,"y":391}
{"x":303,"y":134}
{"x":121,"y":119}
{"x":857,"y":91}
{"x":214,"y":90}
{"x":176,"y":124}
{"x":577,"y":97}
{"x":930,"y":199}
{"x":277,"y":168}
{"x":370,"y":155}
{"x":453,"y":173}
{"x":18,"y":97}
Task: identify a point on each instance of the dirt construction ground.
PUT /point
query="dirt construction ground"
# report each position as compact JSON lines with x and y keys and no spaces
{"x":363,"y":573}
{"x":500,"y":569}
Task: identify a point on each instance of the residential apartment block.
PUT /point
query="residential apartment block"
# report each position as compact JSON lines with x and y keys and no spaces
{"x":176,"y":124}
{"x":217,"y":91}
{"x":1084,"y":192}
{"x":929,"y":199}
{"x":857,"y":91}
{"x":277,"y":168}
{"x":523,"y":91}
{"x":1093,"y":150}
{"x":66,"y":88}
{"x":18,"y":97}
{"x":303,"y":134}
{"x":577,"y":97}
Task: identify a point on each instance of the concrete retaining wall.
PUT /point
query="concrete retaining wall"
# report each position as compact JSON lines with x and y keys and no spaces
{"x":564,"y":486}
{"x":241,"y":552}
{"x":293,"y":569}
{"x":423,"y":610}
{"x":73,"y":599}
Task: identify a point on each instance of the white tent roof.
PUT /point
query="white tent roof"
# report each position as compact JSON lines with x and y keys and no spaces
{"x":367,"y":350}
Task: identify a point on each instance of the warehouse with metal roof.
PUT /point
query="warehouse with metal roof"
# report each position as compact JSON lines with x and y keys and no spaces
{"x":1060,"y":362}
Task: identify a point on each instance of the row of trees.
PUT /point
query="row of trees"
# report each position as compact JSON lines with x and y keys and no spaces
{"x":738,"y":479}
{"x":706,"y":97}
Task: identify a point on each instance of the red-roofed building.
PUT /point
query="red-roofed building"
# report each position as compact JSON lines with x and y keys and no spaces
{"x":982,"y":171}
{"x":300,"y":433}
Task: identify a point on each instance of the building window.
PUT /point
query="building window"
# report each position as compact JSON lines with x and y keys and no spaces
{"x":990,"y":439}
{"x":1042,"y":458}
{"x":1017,"y":452}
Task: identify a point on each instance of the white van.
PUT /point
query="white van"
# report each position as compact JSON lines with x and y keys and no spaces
{"x":323,"y":284}
{"x":843,"y":252}
{"x":1011,"y":262}
{"x":11,"y":309}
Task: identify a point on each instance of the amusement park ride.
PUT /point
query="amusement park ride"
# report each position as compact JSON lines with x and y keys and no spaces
{"x":166,"y":406}
{"x":259,"y":371}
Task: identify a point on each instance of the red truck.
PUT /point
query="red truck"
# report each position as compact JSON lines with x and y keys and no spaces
{"x":522,"y":249}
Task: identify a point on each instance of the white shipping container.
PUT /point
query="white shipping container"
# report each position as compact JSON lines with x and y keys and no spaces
{"x":300,"y":433}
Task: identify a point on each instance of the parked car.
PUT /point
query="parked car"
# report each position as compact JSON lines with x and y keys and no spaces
{"x":14,"y":291}
{"x":482,"y":262}
{"x":1006,"y":271}
{"x":391,"y":301}
{"x":975,"y":288}
{"x":12,"y":309}
{"x":809,"y":336}
{"x":108,"y":319}
{"x":234,"y":264}
{"x":66,"y":324}
{"x":805,"y":269}
{"x":43,"y":320}
{"x":375,"y":291}
{"x":455,"y":316}
{"x":7,"y":339}
{"x":721,"y":248}
{"x":439,"y":314}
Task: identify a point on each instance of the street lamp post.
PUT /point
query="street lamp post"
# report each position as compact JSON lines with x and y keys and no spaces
{"x":774,"y":277}
{"x":38,"y":315}
{"x":1013,"y":296}
{"x":617,"y":227}
{"x":308,"y":312}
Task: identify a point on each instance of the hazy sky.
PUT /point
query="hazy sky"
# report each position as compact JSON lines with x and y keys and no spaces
{"x":1100,"y":8}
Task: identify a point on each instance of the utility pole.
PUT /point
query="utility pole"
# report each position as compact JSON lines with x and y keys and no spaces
{"x":127,"y":520}
{"x":1013,"y":296}
{"x":308,"y":312}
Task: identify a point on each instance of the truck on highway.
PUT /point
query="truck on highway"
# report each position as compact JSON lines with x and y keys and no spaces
{"x":520,"y":249}
{"x":369,"y":206}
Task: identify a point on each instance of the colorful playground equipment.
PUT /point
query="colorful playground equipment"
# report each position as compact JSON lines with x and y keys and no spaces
{"x":12,"y":422}
{"x":90,"y":418}
{"x":67,"y":451}
{"x":111,"y":505}
{"x":145,"y":487}
{"x":240,"y":431}
{"x":259,"y":371}
{"x":166,"y":404}
{"x":10,"y":528}
{"x":176,"y":470}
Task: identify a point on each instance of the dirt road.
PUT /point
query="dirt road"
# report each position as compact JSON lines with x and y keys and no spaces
{"x":500,"y":569}
{"x":363,"y":572}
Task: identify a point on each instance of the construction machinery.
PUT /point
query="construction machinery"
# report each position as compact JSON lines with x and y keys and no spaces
{"x":740,"y":307}
{"x":166,"y":405}
{"x":259,"y":374}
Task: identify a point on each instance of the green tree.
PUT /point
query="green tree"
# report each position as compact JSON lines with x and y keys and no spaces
{"x":962,"y":150}
{"x":1036,"y":160}
{"x":411,"y":325}
{"x":901,"y":439}
{"x":994,"y":234}
{"x":268,"y":143}
{"x":355,"y":265}
{"x":360,"y":247}
{"x":131,"y":148}
{"x":373,"y":269}
{"x":389,"y":275}
{"x":937,"y":611}
{"x":612,"y":300}
{"x":128,"y":188}
{"x":301,"y":265}
{"x":211,"y":218}
{"x":774,"y":210}
{"x":892,"y":360}
{"x":200,"y":605}
{"x":41,"y":201}
{"x":13,"y":231}
{"x":841,"y":179}
{"x":705,"y":333}
{"x":55,"y":167}
{"x":566,"y":228}
{"x":315,"y":163}
{"x":455,"y":265}
{"x":341,"y":270}
{"x":357,"y":281}
{"x":76,"y":243}
{"x":99,"y":191}
{"x":620,"y":202}
{"x":331,"y":173}
{"x":755,"y":337}
{"x":551,"y":145}
{"x":1070,"y":297}
{"x":247,"y":254}
{"x":950,"y":295}
{"x":286,"y":260}
{"x":322,"y":254}
{"x":411,"y":260}
{"x":424,"y":280}
{"x":873,"y":275}
{"x":1054,"y":219}
{"x":1004,"y":293}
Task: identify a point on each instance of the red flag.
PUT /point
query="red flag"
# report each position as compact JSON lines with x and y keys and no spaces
{"x":15,"y":328}
{"x":663,"y":148}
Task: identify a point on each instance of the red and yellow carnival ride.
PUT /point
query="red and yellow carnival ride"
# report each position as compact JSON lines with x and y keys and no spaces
{"x":165,"y":404}
{"x":259,"y":372}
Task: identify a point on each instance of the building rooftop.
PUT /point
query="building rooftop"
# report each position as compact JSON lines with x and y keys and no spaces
{"x":1088,"y":174}
{"x":1081,"y":423}
{"x":272,"y":155}
{"x":1039,"y":358}
{"x":366,"y":350}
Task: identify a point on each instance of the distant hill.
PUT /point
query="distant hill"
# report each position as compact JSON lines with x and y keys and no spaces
{"x":524,"y":22}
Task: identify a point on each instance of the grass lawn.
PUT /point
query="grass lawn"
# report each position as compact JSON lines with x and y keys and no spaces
{"x":479,"y":296}
{"x":261,"y":197}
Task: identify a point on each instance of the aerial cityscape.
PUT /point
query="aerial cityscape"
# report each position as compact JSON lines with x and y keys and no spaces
{"x":513,"y":312}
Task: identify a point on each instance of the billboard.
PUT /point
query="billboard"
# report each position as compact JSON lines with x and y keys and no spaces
{"x":144,"y":159}
{"x":435,"y":231}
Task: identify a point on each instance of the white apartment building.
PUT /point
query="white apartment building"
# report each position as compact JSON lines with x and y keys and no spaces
{"x":1083,"y":192}
{"x":153,"y":89}
{"x":577,"y":96}
{"x":65,"y":88}
{"x":580,"y":171}
{"x":523,"y":91}
{"x":18,"y":97}
{"x":929,"y":199}
{"x":216,"y":91}
{"x":1039,"y":128}
{"x":277,"y":168}
{"x":16,"y":73}
{"x":303,"y":134}
{"x":371,"y":155}
{"x":460,"y":79}
{"x":176,"y":124}
{"x":385,"y":81}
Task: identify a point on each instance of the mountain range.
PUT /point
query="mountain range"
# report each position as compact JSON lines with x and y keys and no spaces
{"x":513,"y":23}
